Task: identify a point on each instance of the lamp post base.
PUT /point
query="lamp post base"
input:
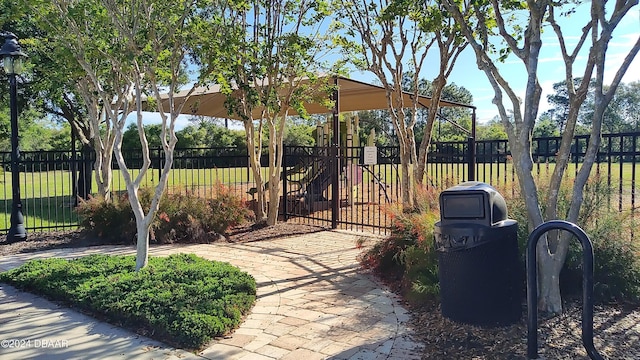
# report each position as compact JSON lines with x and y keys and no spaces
{"x":17,"y":231}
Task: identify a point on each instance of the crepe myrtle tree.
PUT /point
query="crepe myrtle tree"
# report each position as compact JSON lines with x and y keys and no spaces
{"x":268,"y":70}
{"x":519,"y":26}
{"x":116,"y":47}
{"x":391,"y":38}
{"x":157,"y":38}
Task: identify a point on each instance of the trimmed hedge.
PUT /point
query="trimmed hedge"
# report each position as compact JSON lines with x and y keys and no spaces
{"x":183,"y":300}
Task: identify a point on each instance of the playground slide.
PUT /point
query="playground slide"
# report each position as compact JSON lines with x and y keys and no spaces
{"x":319,"y":183}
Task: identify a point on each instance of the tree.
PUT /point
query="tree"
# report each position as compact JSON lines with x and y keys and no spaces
{"x":37,"y":132}
{"x":131,"y":137}
{"x":74,"y":79}
{"x":453,"y":123}
{"x":559,"y":101}
{"x":157,"y":39}
{"x":51,"y":86}
{"x":298,"y":135}
{"x":627,"y":104}
{"x":545,"y":127}
{"x":481,"y":22}
{"x":620,"y":115}
{"x":209,"y":134}
{"x":492,"y":130}
{"x":378,"y":121}
{"x":268,"y":70}
{"x":126,"y":49}
{"x":391,"y":38}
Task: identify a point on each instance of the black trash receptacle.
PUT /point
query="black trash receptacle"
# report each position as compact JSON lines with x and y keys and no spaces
{"x":478,"y":265}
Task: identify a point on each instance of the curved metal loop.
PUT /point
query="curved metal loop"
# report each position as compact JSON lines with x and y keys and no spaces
{"x":587,"y":286}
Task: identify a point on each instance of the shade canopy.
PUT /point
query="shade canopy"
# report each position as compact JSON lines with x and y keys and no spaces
{"x":353,"y":96}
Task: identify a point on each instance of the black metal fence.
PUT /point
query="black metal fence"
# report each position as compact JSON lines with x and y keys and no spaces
{"x":364,"y":194}
{"x":617,"y":164}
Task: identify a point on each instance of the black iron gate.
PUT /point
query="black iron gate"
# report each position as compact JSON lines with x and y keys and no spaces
{"x":335,"y":187}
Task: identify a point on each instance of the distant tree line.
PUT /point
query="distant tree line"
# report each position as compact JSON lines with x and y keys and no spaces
{"x":39,"y":132}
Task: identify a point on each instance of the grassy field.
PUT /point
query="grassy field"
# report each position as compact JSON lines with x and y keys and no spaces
{"x":47,"y":196}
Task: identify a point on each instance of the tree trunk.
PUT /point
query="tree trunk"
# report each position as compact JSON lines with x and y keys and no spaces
{"x":254,"y":163}
{"x":142,"y":244}
{"x":276,"y":155}
{"x":261,"y":195}
{"x":406,"y":179}
{"x":104,"y":173}
{"x":274,"y":202}
{"x":549,"y":267}
{"x":85,"y":174}
{"x":438,"y":86}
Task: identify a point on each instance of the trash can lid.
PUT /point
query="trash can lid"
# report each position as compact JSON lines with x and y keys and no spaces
{"x":472,"y":202}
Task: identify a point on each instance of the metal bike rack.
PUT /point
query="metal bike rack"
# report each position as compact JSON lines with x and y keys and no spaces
{"x":587,"y":287}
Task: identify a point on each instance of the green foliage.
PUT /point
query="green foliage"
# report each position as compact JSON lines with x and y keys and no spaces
{"x":616,"y":261}
{"x":299,"y":135}
{"x":131,"y":138}
{"x":493,"y":130}
{"x":379,"y":121}
{"x":421,"y":273}
{"x":184,"y":218}
{"x":209,"y":134}
{"x":616,"y":256}
{"x":182,"y":299}
{"x":204,"y":134}
{"x":407,"y":256}
{"x":111,"y":220}
{"x":545,"y":128}
{"x":35,"y":130}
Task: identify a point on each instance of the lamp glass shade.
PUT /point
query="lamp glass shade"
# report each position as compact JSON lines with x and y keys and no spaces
{"x":12,"y":65}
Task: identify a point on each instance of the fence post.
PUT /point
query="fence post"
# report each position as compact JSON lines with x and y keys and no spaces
{"x":335,"y":161}
{"x":285,"y":197}
{"x":471,"y":143}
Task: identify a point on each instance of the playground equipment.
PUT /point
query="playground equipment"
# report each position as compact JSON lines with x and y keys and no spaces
{"x":307,"y":182}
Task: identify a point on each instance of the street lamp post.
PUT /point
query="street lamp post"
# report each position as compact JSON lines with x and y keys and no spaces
{"x":12,"y":57}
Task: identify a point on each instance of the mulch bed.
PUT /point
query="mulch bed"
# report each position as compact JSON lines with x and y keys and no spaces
{"x":617,"y":327}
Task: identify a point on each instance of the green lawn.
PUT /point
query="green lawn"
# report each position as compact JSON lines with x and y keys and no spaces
{"x":47,"y":198}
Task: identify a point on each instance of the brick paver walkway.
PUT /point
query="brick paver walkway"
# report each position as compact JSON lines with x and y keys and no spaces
{"x":314,"y":302}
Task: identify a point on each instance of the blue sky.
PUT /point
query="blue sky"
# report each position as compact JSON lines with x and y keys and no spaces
{"x":551,"y":66}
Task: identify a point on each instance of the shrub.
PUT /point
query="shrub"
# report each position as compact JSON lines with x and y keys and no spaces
{"x":111,"y":220}
{"x":180,"y":218}
{"x":420,"y":279}
{"x":189,"y":218}
{"x":407,"y":256}
{"x":182,"y":299}
{"x":227,"y":210}
{"x":616,"y":262}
